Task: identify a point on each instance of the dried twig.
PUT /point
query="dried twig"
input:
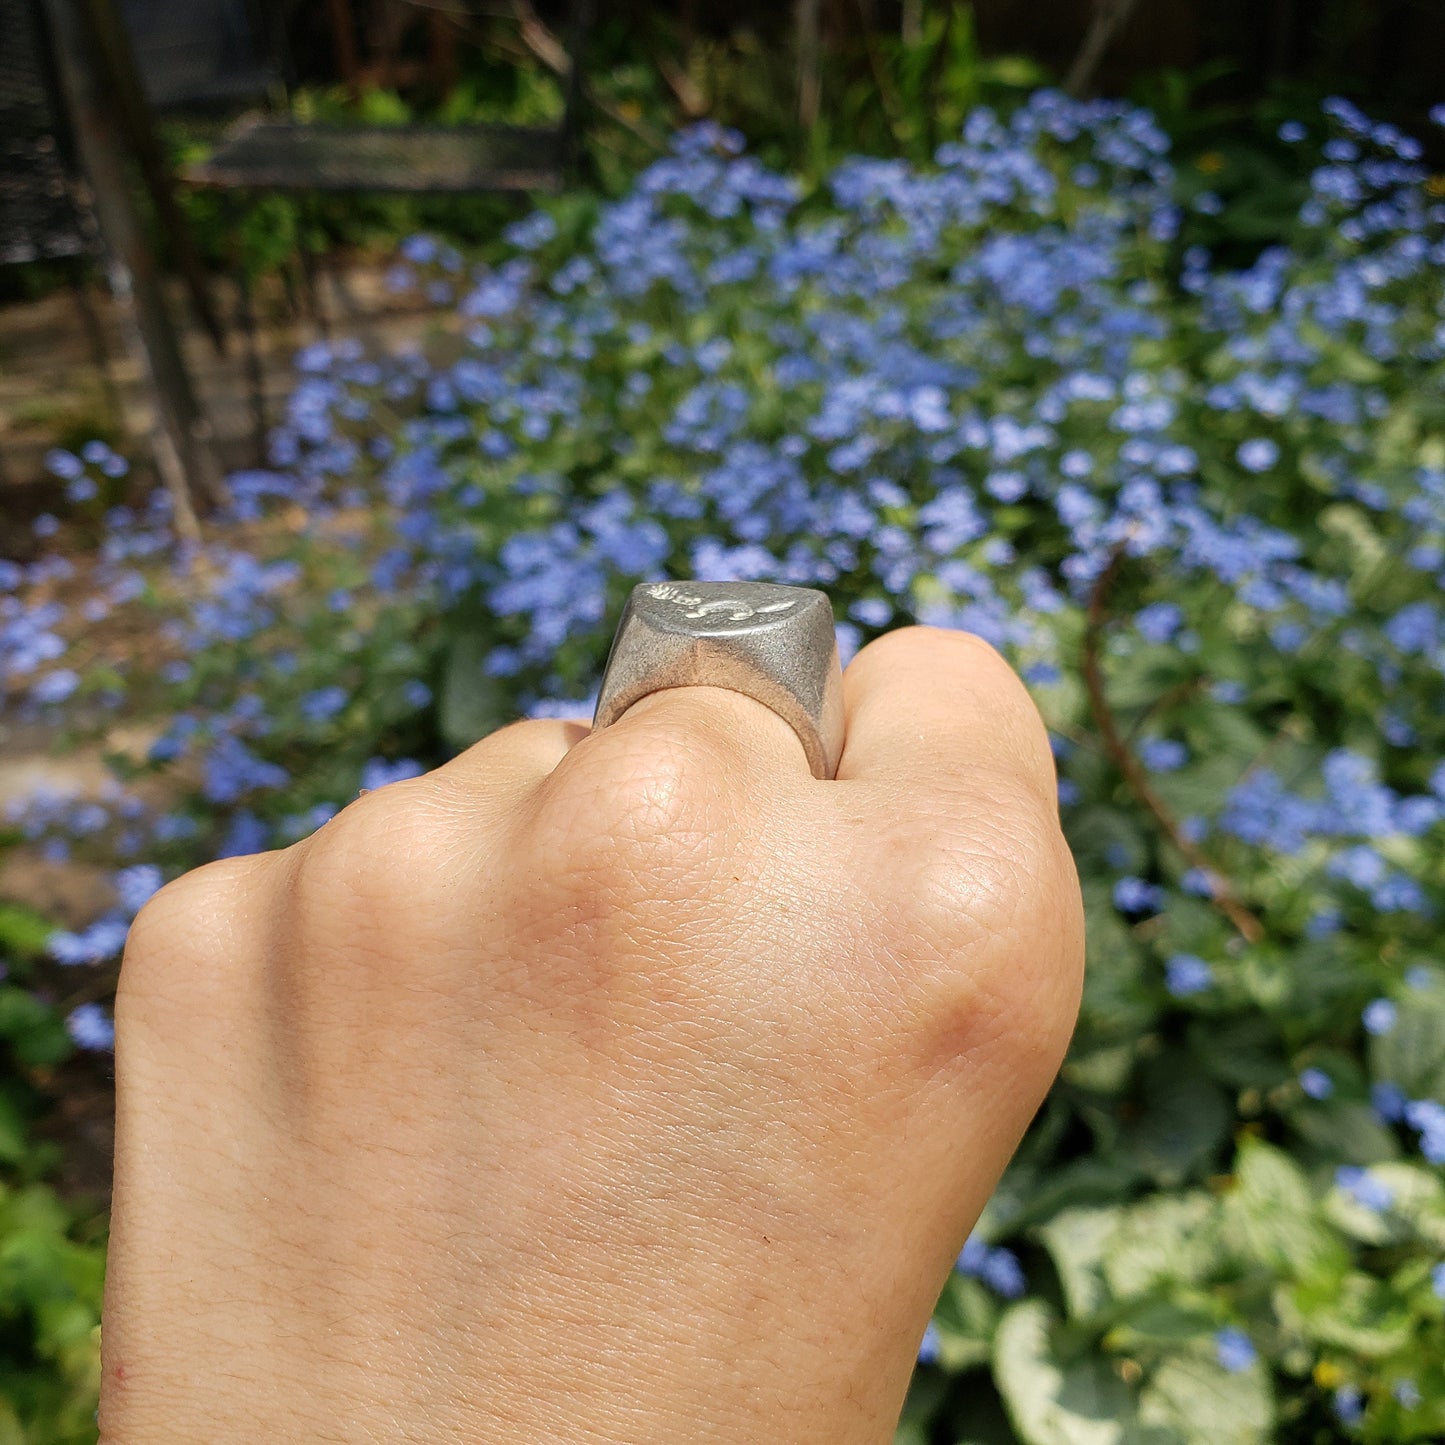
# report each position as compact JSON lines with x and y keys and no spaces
{"x":689,"y":94}
{"x":542,"y":44}
{"x":540,"y":40}
{"x":1108,"y":20}
{"x":807,"y":44}
{"x":1223,"y":893}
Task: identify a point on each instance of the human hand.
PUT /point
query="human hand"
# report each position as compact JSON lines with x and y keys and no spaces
{"x":629,"y":1087}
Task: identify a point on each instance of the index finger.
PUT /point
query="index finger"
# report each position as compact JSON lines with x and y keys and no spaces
{"x":931,"y":706}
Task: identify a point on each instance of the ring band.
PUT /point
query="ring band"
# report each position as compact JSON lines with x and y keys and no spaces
{"x":775,"y":644}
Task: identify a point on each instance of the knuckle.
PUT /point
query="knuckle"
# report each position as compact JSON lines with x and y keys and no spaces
{"x":941,"y":649}
{"x":989,"y":875}
{"x":189,"y":907}
{"x":185,"y":931}
{"x":994,"y":916}
{"x":627,"y":817}
{"x":1021,"y":734}
{"x":374,"y":861}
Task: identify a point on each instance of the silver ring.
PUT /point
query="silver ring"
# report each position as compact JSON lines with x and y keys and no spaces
{"x":775,"y":644}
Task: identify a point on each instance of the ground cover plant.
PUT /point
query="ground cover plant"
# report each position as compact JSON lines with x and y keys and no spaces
{"x":1201,"y":508}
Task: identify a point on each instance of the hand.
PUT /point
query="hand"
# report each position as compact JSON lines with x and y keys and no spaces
{"x":629,"y":1087}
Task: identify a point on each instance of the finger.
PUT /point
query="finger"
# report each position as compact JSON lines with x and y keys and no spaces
{"x":935,"y":706}
{"x":513,"y":758}
{"x":728,"y":729}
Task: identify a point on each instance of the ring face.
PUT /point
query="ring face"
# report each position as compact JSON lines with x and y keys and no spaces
{"x":775,"y":644}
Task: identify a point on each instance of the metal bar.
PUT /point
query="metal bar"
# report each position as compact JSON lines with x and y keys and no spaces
{"x":95,"y":335}
{"x":343,"y":43}
{"x":181,"y":439}
{"x":246,"y":314}
{"x":114,"y":53}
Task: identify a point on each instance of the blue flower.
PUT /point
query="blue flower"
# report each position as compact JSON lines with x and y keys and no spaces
{"x":1362,"y":1186}
{"x":1388,"y":1101}
{"x":91,"y":1027}
{"x":1003,"y":1274}
{"x":63,"y":464}
{"x":419,"y":249}
{"x":1162,"y":755}
{"x":1234,"y":1350}
{"x":102,"y":940}
{"x":324,"y":703}
{"x":1134,"y":895}
{"x":55,"y":686}
{"x":378,"y":772}
{"x":872,"y":612}
{"x":996,"y":1266}
{"x":1316,"y":1083}
{"x":1258,"y":454}
{"x":1380,"y":1016}
{"x":1407,"y":1394}
{"x":245,"y":834}
{"x":1159,"y":621}
{"x":232,"y":770}
{"x":1186,"y":974}
{"x":532,"y":233}
{"x":1427,"y":1116}
{"x":1292,"y":132}
{"x":135,"y":886}
{"x":1437,"y":1281}
{"x":929,"y":1346}
{"x":1349,"y":1405}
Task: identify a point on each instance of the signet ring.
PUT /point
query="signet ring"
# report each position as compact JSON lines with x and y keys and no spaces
{"x":772,"y":643}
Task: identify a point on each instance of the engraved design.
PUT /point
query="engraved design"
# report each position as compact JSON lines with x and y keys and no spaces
{"x":737,"y":610}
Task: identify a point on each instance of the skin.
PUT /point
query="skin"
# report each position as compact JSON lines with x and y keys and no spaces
{"x":619,"y":1087}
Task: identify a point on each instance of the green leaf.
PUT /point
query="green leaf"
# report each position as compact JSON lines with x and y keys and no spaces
{"x":1243,"y":1053}
{"x":1153,"y":1324}
{"x":1116,"y":1004}
{"x":1417,"y":1209}
{"x":1057,"y":1400}
{"x":1356,"y":1313}
{"x":1102,"y":1070}
{"x":1076,"y":1241}
{"x":14,"y":1133}
{"x":470,"y":704}
{"x":925,"y":1396}
{"x":1345,"y":1132}
{"x":1412,"y":1054}
{"x":34,"y":1028}
{"x":1271,"y":1217}
{"x":1169,"y":1239}
{"x":1026,"y":1198}
{"x":23,"y":931}
{"x":1193,"y":1396}
{"x":1186,"y":1119}
{"x":966,"y":1317}
{"x":12,"y":1431}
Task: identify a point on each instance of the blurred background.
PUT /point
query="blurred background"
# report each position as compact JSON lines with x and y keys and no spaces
{"x":355,"y":358}
{"x":250,"y":261}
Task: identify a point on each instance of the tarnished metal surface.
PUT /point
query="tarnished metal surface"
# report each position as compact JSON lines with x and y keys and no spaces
{"x":775,"y":644}
{"x":435,"y":160}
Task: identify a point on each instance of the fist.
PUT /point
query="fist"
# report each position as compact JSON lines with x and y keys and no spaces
{"x":626,"y":1086}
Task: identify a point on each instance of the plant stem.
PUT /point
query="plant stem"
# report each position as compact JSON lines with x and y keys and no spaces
{"x":1223,"y":893}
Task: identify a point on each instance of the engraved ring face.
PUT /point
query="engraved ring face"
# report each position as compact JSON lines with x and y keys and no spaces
{"x":775,"y":644}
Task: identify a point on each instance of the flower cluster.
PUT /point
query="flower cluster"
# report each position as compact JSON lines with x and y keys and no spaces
{"x":1202,"y":509}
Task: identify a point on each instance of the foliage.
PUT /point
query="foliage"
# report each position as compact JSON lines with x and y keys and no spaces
{"x":1202,"y":508}
{"x":52,"y":1262}
{"x":263,"y":233}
